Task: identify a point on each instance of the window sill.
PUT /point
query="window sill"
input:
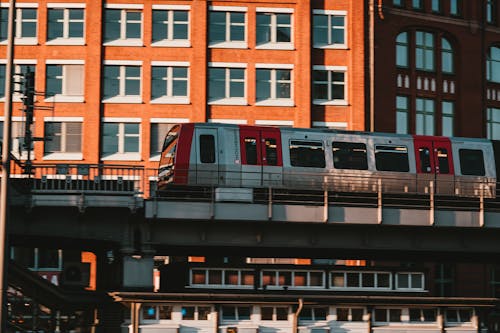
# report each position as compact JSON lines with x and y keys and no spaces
{"x":229,"y":45}
{"x":276,"y":102}
{"x":275,"y":46}
{"x":331,"y":46}
{"x":172,"y":43}
{"x":63,"y":157}
{"x":64,"y":99}
{"x":228,"y":101}
{"x":327,"y":102}
{"x":170,"y":100}
{"x":125,"y":42}
{"x":155,"y":158}
{"x":124,"y":99}
{"x":122,"y":157}
{"x":24,"y":41}
{"x":66,"y":41}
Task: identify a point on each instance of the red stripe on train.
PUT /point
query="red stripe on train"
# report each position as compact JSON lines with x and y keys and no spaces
{"x":182,"y":154}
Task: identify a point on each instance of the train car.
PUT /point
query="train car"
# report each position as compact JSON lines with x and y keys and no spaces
{"x":241,"y":156}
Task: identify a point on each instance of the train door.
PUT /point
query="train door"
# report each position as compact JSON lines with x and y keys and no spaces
{"x":434,"y":163}
{"x":207,"y":159}
{"x":261,"y":163}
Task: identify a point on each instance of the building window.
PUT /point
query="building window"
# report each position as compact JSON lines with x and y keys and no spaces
{"x":274,"y":313}
{"x":120,"y":138}
{"x":64,"y":137}
{"x":195,"y":312}
{"x":417,"y":4}
{"x":156,"y":312}
{"x":122,"y":81}
{"x":436,"y":6}
{"x":493,"y":123}
{"x":446,"y":56}
{"x":491,"y":9}
{"x":123,"y":25}
{"x":422,"y":315}
{"x":410,"y":281}
{"x":19,"y":71}
{"x":226,"y":85}
{"x":329,"y":86}
{"x":495,"y":281}
{"x":65,"y":23}
{"x":273,"y":85}
{"x":170,"y":26}
{"x":447,"y":111}
{"x":227,"y":27}
{"x":455,"y":7}
{"x":17,"y":134}
{"x":26,"y":21}
{"x":274,"y":29}
{"x":387,"y":315}
{"x":329,"y":28}
{"x":169,"y":84}
{"x":402,"y":110}
{"x":459,"y":315}
{"x":424,"y":117}
{"x":236,"y":312}
{"x":402,"y":50}
{"x":493,"y":64}
{"x":310,"y":313}
{"x":38,"y":258}
{"x":424,"y":51}
{"x":350,"y":314}
{"x":357,"y":280}
{"x":398,"y":3}
{"x":64,"y":82}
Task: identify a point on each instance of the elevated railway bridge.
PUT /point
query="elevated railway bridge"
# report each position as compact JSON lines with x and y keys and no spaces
{"x":116,"y":212}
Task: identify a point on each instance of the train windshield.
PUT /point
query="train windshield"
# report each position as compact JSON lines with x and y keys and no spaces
{"x":169,"y":147}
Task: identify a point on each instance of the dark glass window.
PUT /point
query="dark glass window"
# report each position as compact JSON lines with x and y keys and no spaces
{"x":187,"y":312}
{"x":391,"y":158}
{"x":281,"y":313}
{"x":271,"y":152}
{"x":342,"y":314}
{"x":383,"y":280}
{"x":442,"y":159}
{"x":425,"y":160}
{"x":266,"y":313}
{"x":165,"y":311}
{"x":149,"y":312}
{"x":347,"y":155}
{"x":353,"y":280}
{"x":306,"y":314}
{"x":203,"y":312}
{"x":244,"y":312}
{"x":251,"y":150}
{"x":395,"y":315}
{"x":357,"y":314}
{"x":320,"y":313}
{"x":368,"y":280}
{"x":309,"y":154}
{"x":215,"y":277}
{"x":229,"y":313}
{"x":207,"y":148}
{"x":471,"y":162}
{"x":429,"y":314}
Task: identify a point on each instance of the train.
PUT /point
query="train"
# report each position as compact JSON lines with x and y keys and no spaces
{"x":253,"y":157}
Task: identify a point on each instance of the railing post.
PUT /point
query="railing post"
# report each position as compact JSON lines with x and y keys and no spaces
{"x":431,"y":204}
{"x":270,"y":204}
{"x":325,"y":206}
{"x":379,"y":201}
{"x":481,"y":205}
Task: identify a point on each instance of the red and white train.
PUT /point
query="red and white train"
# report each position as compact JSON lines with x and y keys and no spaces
{"x":224,"y":155}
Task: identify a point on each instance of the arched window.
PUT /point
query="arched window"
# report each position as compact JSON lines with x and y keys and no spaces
{"x":446,"y":56}
{"x":402,"y":50}
{"x":493,"y":64}
{"x":424,"y":50}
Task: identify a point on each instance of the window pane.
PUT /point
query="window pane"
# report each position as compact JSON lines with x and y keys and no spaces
{"x":110,"y":138}
{"x":266,"y":313}
{"x":307,"y":154}
{"x":149,"y":312}
{"x":472,"y":162}
{"x":203,"y":312}
{"x":55,"y":23}
{"x":391,"y":158}
{"x":348,"y":155}
{"x":338,"y":280}
{"x":207,"y":148}
{"x":187,"y":312}
{"x":353,"y":280}
{"x":402,"y":280}
{"x":281,"y":313}
{"x":244,"y":312}
{"x":357,"y":314}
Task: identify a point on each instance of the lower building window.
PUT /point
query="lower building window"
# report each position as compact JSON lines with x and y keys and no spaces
{"x":120,"y":139}
{"x":63,"y":137}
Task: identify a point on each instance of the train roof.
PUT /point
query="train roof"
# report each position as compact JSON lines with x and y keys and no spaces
{"x":340,"y":131}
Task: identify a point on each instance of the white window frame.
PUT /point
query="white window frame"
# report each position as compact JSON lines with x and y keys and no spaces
{"x":275,"y":313}
{"x":63,"y":97}
{"x":121,"y":155}
{"x":170,"y":41}
{"x":228,"y":43}
{"x":228,"y":100}
{"x":223,"y":276}
{"x":157,"y":314}
{"x":329,"y":14}
{"x":422,"y":320}
{"x":236,"y":311}
{"x":360,"y":286}
{"x":66,"y":40}
{"x":169,"y":98}
{"x":292,"y":285}
{"x":349,"y":316}
{"x":64,"y":155}
{"x":273,"y":44}
{"x":388,"y":316}
{"x":19,"y":40}
{"x":17,"y":82}
{"x":330,"y":70}
{"x":313,"y":313}
{"x":409,"y":277}
{"x":273,"y":101}
{"x":121,"y":97}
{"x":15,"y":142}
{"x":459,"y":322}
{"x":123,"y":40}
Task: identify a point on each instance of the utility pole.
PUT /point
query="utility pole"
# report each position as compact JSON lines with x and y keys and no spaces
{"x":6,"y":164}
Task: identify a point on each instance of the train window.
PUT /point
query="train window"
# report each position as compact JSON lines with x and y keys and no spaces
{"x":309,"y":154}
{"x":391,"y":158}
{"x":251,"y":150}
{"x":425,"y":160}
{"x":271,"y":152}
{"x":207,"y":148}
{"x":347,"y":155}
{"x":442,"y":159}
{"x":472,"y":162}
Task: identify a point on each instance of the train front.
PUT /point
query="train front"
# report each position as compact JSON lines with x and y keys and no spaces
{"x":166,"y":169}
